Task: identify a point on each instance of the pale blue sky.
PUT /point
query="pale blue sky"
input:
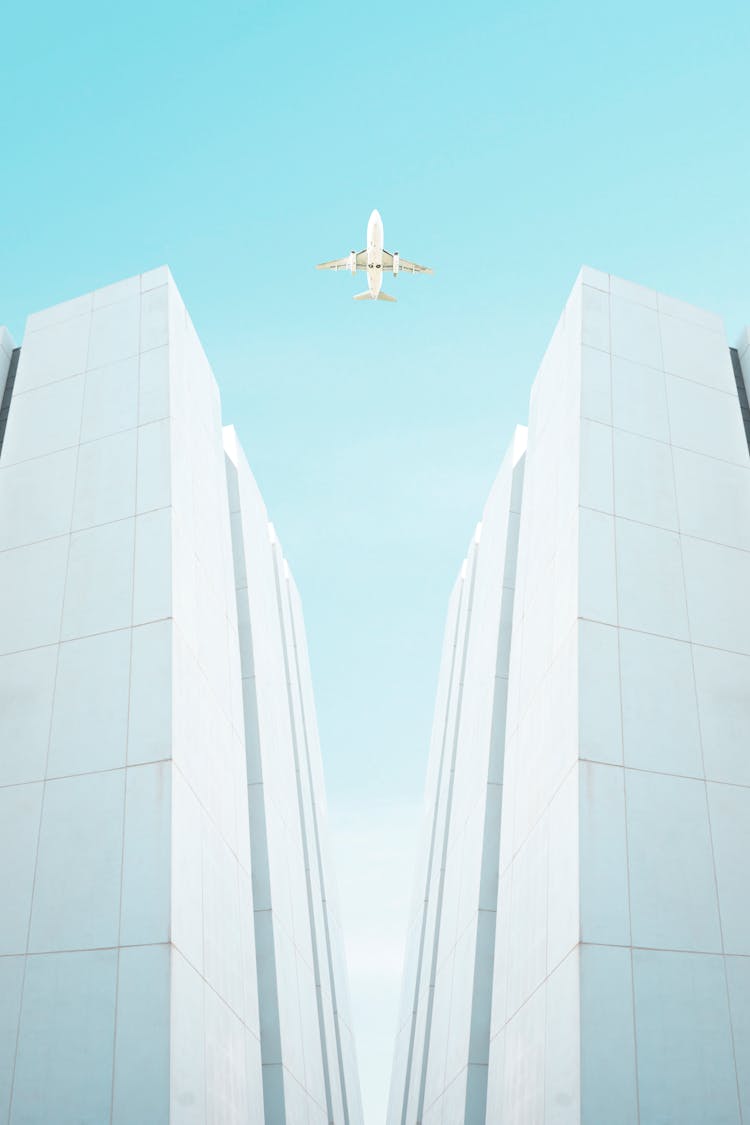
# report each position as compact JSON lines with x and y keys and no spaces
{"x":504,"y":145}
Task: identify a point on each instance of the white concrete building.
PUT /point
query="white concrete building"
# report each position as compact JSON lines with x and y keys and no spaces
{"x":309,"y":1061}
{"x":135,"y":973}
{"x":440,"y":1068}
{"x":619,"y":978}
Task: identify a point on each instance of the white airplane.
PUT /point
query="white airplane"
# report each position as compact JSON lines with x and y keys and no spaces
{"x":374,"y":259}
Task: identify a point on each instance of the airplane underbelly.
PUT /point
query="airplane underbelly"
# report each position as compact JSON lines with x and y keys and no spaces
{"x":374,"y":268}
{"x":374,"y":258}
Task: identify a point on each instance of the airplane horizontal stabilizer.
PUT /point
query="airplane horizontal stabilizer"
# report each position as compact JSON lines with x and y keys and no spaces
{"x":369,"y":297}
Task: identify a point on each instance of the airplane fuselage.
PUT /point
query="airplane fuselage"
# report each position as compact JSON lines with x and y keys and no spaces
{"x":374,"y":254}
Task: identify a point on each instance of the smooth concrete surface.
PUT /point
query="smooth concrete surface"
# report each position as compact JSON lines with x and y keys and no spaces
{"x":126,"y":870}
{"x":623,"y":840}
{"x":129,"y":971}
{"x":309,"y":1059}
{"x":441,"y":1062}
{"x":619,"y":988}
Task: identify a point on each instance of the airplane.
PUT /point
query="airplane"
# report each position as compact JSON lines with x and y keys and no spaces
{"x":374,"y":259}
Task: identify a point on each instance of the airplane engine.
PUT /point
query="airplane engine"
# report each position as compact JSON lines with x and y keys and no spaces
{"x":395,"y":264}
{"x":352,"y":262}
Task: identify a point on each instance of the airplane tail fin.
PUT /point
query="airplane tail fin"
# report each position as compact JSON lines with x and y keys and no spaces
{"x":368,"y":296}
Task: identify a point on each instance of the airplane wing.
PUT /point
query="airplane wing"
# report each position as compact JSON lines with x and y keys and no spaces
{"x":403,"y":264}
{"x":345,"y":263}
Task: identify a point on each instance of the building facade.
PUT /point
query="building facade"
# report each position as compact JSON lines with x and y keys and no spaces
{"x":153,"y":676}
{"x":611,"y":828}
